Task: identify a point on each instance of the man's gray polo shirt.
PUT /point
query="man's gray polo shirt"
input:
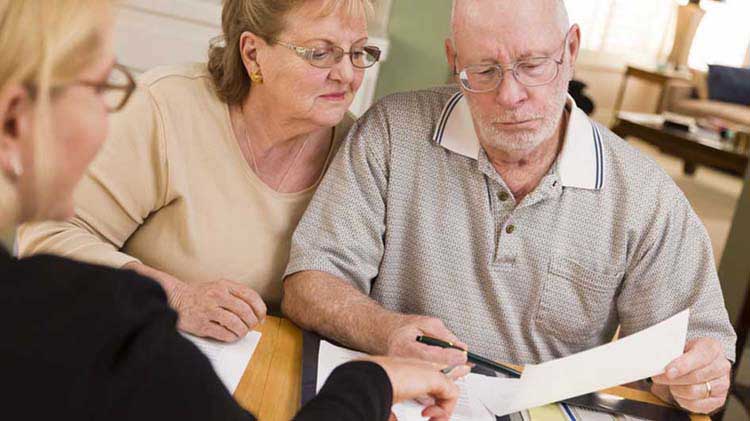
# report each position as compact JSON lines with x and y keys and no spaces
{"x":412,"y":213}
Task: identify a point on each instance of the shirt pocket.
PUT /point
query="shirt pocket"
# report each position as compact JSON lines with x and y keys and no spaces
{"x":576,"y":301}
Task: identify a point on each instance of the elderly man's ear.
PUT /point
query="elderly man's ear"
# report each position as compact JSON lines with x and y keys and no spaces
{"x":574,"y":44}
{"x":450,"y":55}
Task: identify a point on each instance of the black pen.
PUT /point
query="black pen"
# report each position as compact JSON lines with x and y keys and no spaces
{"x":471,"y":357}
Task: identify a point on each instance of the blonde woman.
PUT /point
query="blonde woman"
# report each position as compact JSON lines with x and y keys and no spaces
{"x":209,"y":168}
{"x":89,"y":342}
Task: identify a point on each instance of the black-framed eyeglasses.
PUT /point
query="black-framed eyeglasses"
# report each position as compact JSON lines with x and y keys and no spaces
{"x":116,"y":90}
{"x":529,"y":72}
{"x":329,"y":56}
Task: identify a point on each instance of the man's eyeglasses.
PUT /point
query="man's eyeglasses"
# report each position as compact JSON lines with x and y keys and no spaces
{"x":327,"y":57}
{"x":530,"y":72}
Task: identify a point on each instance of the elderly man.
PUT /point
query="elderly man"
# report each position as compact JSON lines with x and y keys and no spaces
{"x":499,"y":212}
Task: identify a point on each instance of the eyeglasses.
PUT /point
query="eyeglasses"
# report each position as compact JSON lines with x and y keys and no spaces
{"x":327,"y":57}
{"x":116,"y":90}
{"x":529,"y":72}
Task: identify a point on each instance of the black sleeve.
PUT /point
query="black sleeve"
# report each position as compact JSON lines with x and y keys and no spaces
{"x":355,"y":391}
{"x":160,"y":375}
{"x":97,"y":343}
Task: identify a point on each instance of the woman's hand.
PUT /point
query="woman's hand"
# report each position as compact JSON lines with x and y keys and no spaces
{"x":416,"y":379}
{"x":222,"y":310}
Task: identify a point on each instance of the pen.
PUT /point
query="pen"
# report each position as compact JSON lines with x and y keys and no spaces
{"x":471,"y":357}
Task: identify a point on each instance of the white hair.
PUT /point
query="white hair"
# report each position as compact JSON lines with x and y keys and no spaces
{"x":560,"y":10}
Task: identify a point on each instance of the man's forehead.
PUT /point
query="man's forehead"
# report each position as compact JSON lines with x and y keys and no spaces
{"x":505,"y":43}
{"x":509,"y":17}
{"x":485,"y":29}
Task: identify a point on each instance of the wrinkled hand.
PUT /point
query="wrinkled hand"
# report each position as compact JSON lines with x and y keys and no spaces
{"x":684,"y":380}
{"x":222,"y":310}
{"x":422,"y":380}
{"x":402,"y":341}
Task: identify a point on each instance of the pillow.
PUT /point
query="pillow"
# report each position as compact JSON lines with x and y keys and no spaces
{"x":729,"y":84}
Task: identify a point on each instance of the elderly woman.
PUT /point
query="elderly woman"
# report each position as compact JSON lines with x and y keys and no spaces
{"x":92,"y":342}
{"x":209,"y":168}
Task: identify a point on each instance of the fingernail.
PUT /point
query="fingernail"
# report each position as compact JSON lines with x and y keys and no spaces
{"x":447,"y":370}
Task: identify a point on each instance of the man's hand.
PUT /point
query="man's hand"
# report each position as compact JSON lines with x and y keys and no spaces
{"x":698,"y":380}
{"x":222,"y":310}
{"x":416,"y":379}
{"x":402,"y":341}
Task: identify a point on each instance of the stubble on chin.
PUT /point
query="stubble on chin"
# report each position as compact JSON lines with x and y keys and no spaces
{"x":491,"y":134}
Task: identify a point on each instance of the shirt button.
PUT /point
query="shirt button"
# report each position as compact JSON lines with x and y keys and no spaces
{"x":503,"y":196}
{"x":510,"y":229}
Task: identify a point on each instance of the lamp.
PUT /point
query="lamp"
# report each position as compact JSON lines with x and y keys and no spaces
{"x":689,"y":16}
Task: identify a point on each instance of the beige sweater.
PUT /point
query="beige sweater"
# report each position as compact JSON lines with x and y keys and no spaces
{"x":172,"y":190}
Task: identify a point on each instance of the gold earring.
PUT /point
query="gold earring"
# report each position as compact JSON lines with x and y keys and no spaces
{"x":256,"y":77}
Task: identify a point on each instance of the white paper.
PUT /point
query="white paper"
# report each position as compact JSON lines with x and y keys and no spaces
{"x":468,"y":408}
{"x":633,"y":358}
{"x":229,"y":360}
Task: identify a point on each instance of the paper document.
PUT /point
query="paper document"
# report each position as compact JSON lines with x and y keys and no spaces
{"x":469,"y":408}
{"x":229,"y":360}
{"x":636,"y":357}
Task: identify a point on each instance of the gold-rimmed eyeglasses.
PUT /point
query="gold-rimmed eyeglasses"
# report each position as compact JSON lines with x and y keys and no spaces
{"x":529,"y":72}
{"x":329,"y":56}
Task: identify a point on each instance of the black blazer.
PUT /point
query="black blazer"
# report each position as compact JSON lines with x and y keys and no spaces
{"x":86,"y":342}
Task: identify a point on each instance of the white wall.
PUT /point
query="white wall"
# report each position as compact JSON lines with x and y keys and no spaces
{"x":150,"y":33}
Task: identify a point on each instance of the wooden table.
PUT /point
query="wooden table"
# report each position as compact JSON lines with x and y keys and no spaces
{"x":702,"y":147}
{"x":655,"y":76}
{"x":274,"y":394}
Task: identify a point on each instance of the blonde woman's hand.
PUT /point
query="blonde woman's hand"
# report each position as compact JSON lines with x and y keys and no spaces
{"x":223,"y":310}
{"x":424,"y":381}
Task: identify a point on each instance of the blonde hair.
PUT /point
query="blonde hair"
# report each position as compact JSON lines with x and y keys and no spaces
{"x":45,"y":44}
{"x":264,"y":18}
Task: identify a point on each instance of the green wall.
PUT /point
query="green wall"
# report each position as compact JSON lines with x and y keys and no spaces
{"x":416,"y":60}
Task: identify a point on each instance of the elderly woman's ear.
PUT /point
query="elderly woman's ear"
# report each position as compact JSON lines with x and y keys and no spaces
{"x":249,"y":45}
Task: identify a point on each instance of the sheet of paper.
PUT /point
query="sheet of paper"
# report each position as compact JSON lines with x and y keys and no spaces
{"x":468,"y":408}
{"x":633,"y":358}
{"x":229,"y":360}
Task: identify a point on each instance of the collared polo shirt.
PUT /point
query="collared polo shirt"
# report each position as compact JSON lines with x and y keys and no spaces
{"x":413,"y":214}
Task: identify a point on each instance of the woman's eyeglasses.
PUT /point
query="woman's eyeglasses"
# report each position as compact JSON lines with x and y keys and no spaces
{"x":116,"y":90}
{"x":329,"y":56}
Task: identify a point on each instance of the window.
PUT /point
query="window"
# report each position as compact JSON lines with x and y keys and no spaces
{"x":643,"y":30}
{"x":636,"y":30}
{"x":723,"y":35}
